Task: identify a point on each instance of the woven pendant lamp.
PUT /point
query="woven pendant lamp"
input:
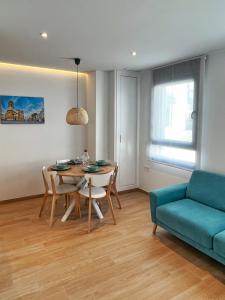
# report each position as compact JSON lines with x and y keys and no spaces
{"x":77,"y":115}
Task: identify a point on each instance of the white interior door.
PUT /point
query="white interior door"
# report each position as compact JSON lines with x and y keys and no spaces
{"x":127,"y":133}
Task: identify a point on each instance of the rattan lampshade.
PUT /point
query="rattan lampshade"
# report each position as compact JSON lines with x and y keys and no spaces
{"x":77,"y":115}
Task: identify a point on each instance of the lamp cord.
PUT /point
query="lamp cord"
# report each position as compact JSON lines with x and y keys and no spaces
{"x":77,"y":86}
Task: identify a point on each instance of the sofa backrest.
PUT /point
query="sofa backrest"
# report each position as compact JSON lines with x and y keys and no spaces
{"x":207,"y":188}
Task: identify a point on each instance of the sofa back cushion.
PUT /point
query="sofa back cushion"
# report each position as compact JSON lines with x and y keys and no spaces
{"x":207,"y":188}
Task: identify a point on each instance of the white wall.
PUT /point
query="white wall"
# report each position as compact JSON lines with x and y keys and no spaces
{"x":153,"y":175}
{"x":213,"y":144}
{"x":102,"y":115}
{"x":91,"y":108}
{"x":24,"y":149}
{"x":98,"y":110}
{"x":111,"y":123}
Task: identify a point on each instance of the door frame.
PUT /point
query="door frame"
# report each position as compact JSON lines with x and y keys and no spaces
{"x":117,"y":133}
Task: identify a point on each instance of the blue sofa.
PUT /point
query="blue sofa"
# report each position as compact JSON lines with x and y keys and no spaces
{"x":194,"y":212}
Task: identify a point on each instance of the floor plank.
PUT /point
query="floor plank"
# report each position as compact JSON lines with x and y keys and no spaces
{"x":122,"y":261}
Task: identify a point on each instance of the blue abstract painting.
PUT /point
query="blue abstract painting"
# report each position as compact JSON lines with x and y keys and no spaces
{"x":22,"y":110}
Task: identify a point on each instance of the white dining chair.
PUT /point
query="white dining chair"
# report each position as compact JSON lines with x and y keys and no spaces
{"x":95,"y":190}
{"x":55,"y":189}
{"x":113,"y":187}
{"x":67,"y":179}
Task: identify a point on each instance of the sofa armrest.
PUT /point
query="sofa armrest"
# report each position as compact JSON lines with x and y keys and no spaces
{"x":166,"y":195}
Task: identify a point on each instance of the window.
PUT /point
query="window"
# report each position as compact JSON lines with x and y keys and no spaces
{"x":174,"y":114}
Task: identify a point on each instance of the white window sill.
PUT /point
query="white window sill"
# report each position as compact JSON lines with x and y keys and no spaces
{"x":169,"y":169}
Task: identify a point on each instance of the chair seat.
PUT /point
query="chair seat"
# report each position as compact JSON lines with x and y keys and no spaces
{"x":198,"y":222}
{"x":71,"y":180}
{"x":64,"y":189}
{"x":96,"y":192}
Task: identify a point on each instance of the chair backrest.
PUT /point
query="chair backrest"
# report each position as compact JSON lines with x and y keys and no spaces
{"x":49,"y":178}
{"x":115,"y":173}
{"x":99,"y":180}
{"x":62,"y":161}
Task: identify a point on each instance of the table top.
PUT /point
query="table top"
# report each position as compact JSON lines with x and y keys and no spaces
{"x":77,"y":171}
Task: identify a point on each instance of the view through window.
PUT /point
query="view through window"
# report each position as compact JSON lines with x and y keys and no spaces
{"x":173,"y":119}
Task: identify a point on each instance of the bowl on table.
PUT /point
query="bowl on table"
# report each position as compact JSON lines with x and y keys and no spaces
{"x":102,"y":162}
{"x":60,"y":167}
{"x":76,"y":161}
{"x":91,"y":168}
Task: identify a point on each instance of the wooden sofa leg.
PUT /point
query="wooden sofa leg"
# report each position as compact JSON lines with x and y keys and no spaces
{"x":154,"y":229}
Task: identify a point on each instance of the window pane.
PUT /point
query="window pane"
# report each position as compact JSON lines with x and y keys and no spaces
{"x":172,"y":106}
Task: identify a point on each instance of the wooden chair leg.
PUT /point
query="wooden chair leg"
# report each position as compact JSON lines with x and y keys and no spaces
{"x":111,"y":207}
{"x":66,"y":201}
{"x":52,"y":211}
{"x":117,"y":196}
{"x":80,"y":214}
{"x":154,"y":229}
{"x":43,"y":204}
{"x":77,"y":204}
{"x":60,"y":180}
{"x":89,"y":215}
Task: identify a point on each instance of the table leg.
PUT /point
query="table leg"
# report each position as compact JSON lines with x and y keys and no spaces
{"x":72,"y":205}
{"x":97,"y":209}
{"x":68,"y":211}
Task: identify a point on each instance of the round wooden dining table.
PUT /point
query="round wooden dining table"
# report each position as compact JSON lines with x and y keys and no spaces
{"x":77,"y":171}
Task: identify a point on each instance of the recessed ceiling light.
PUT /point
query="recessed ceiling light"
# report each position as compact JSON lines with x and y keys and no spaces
{"x":134,"y":53}
{"x":44,"y":35}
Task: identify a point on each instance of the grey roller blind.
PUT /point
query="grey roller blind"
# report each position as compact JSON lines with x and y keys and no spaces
{"x":180,"y":71}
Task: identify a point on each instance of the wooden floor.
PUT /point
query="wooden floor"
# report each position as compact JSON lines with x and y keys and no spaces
{"x":121,"y":261}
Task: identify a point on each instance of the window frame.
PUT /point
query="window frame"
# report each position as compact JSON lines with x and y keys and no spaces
{"x":178,"y":144}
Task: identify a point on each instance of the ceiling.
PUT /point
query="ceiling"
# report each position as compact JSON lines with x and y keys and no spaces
{"x":104,"y":32}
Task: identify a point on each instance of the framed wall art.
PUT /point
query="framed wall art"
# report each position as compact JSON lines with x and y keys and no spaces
{"x":22,"y":110}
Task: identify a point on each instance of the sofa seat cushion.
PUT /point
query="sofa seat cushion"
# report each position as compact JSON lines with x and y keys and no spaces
{"x":192,"y":219}
{"x":219,"y":243}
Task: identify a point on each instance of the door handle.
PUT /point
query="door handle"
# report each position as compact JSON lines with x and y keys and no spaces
{"x":193,"y":114}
